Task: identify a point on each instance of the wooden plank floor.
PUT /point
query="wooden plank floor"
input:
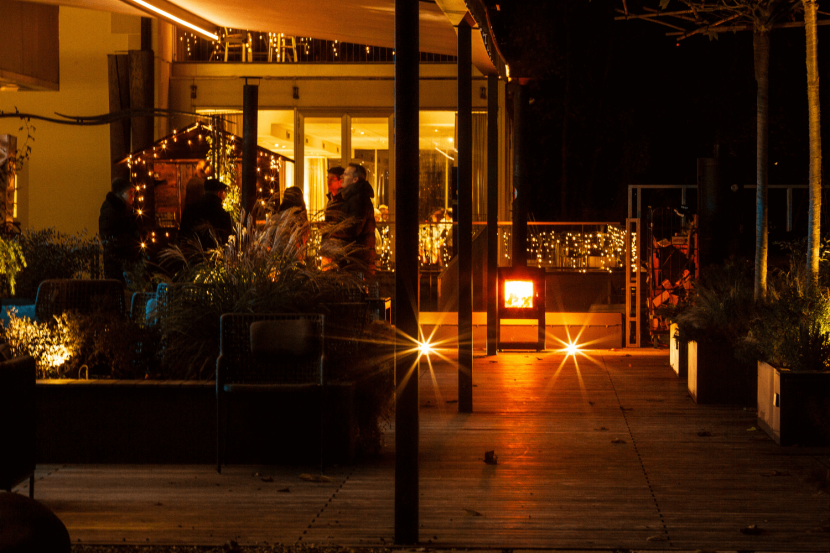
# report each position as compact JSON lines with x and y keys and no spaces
{"x":607,"y":452}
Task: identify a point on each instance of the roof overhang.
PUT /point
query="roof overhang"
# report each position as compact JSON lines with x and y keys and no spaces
{"x":356,"y":21}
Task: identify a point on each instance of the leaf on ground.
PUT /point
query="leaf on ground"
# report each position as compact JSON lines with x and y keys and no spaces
{"x":704,"y":434}
{"x":751,"y":429}
{"x":617,"y":441}
{"x":540,"y":359}
{"x":601,"y":429}
{"x":491,"y":458}
{"x":268,"y":479}
{"x":159,"y":504}
{"x":284,"y":490}
{"x":626,"y":408}
{"x":776,"y":473}
{"x":427,"y":405}
{"x":473,"y":513}
{"x":452,"y":401}
{"x":315,"y":478}
{"x":752,"y":530}
{"x":656,"y":538}
{"x":590,"y":403}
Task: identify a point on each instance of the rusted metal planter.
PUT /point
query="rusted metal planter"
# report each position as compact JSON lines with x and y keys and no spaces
{"x":794,"y":407}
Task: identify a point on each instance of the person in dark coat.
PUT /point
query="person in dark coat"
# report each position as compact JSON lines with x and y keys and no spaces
{"x":292,"y":211}
{"x":353,"y":203}
{"x":196,"y":185}
{"x":118,"y":229}
{"x":206,"y":215}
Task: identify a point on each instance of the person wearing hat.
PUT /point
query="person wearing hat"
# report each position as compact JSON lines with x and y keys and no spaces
{"x":206,"y":215}
{"x":118,"y":229}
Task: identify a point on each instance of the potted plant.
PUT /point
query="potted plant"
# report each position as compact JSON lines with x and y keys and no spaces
{"x":791,"y":334}
{"x":716,"y":323}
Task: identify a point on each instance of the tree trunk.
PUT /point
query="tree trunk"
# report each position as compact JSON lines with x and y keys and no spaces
{"x":761,"y":45}
{"x":814,"y":217}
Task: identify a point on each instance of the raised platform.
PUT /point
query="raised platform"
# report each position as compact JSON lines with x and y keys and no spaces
{"x":592,"y":330}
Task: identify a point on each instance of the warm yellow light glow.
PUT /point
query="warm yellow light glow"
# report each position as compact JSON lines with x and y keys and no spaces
{"x":518,"y":293}
{"x":572,"y":349}
{"x":178,"y":20}
{"x":424,"y":348}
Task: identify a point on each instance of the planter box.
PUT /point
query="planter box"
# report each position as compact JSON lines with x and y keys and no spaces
{"x":678,"y":353}
{"x":715,"y":376}
{"x":146,"y":421}
{"x":794,"y":407}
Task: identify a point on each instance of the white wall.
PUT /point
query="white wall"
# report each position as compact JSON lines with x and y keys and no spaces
{"x":68,"y":173}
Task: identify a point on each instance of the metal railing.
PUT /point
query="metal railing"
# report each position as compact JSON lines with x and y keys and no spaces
{"x":193,"y":48}
{"x":583,"y":247}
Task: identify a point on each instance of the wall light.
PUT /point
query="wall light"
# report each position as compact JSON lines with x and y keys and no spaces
{"x":176,"y":15}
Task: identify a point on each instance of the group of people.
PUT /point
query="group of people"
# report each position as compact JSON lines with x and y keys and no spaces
{"x":349,"y":214}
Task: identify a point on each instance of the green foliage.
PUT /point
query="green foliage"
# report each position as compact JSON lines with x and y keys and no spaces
{"x":261,"y":270}
{"x":12,"y":261}
{"x":75,"y":345}
{"x":51,"y":343}
{"x":51,"y":254}
{"x":792,"y":329}
{"x":721,"y":305}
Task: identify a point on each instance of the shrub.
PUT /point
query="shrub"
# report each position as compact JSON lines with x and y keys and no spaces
{"x":721,"y":306}
{"x":792,"y":328}
{"x":75,"y":345}
{"x":12,"y":261}
{"x":260,"y":270}
{"x":51,"y":254}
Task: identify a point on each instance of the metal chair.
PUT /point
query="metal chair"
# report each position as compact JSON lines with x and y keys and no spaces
{"x":85,"y":296}
{"x":268,"y":352}
{"x":18,"y":417}
{"x":138,"y":308}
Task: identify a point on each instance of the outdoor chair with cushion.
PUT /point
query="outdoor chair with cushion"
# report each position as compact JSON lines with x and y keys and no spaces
{"x":17,"y":411}
{"x":267,"y":352}
{"x":138,"y":308}
{"x":84,"y":296}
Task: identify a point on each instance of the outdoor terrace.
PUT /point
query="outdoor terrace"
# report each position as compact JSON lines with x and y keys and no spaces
{"x":599,"y":452}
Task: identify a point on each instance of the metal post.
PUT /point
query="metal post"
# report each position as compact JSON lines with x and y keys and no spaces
{"x":406,"y":274}
{"x":465,"y":219}
{"x":492,"y":212}
{"x":520,"y":162}
{"x":250,"y":106}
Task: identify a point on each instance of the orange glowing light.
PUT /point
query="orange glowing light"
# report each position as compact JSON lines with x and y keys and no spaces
{"x":424,"y":348}
{"x":518,"y":293}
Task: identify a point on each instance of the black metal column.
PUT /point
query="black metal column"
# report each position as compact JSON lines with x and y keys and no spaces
{"x":492,"y":212}
{"x":406,"y":273}
{"x":250,"y":107}
{"x":465,"y":220}
{"x":520,"y":184}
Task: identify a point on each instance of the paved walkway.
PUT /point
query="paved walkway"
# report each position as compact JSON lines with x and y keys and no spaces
{"x":605,"y":452}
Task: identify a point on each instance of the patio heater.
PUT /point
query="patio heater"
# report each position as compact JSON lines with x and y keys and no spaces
{"x":522,"y":296}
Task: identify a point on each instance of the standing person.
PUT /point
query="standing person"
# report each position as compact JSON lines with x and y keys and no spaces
{"x":118,"y":229}
{"x":358,"y":213}
{"x":206,"y":214}
{"x":334,"y":181}
{"x":292,"y":212}
{"x":196,"y":185}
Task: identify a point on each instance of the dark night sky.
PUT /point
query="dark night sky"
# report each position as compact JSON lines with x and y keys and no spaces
{"x":643,"y":108}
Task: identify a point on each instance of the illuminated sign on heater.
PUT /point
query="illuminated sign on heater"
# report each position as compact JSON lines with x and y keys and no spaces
{"x":518,"y":293}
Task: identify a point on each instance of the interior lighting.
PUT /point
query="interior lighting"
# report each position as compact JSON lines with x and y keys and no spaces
{"x":146,"y":6}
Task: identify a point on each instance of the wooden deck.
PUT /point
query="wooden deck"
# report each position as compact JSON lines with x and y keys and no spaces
{"x":605,"y":453}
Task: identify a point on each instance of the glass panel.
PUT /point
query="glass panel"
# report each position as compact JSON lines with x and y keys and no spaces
{"x":322,"y":150}
{"x":275,"y":132}
{"x":370,"y":148}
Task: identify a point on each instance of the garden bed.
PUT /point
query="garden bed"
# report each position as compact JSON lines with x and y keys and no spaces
{"x":150,"y":421}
